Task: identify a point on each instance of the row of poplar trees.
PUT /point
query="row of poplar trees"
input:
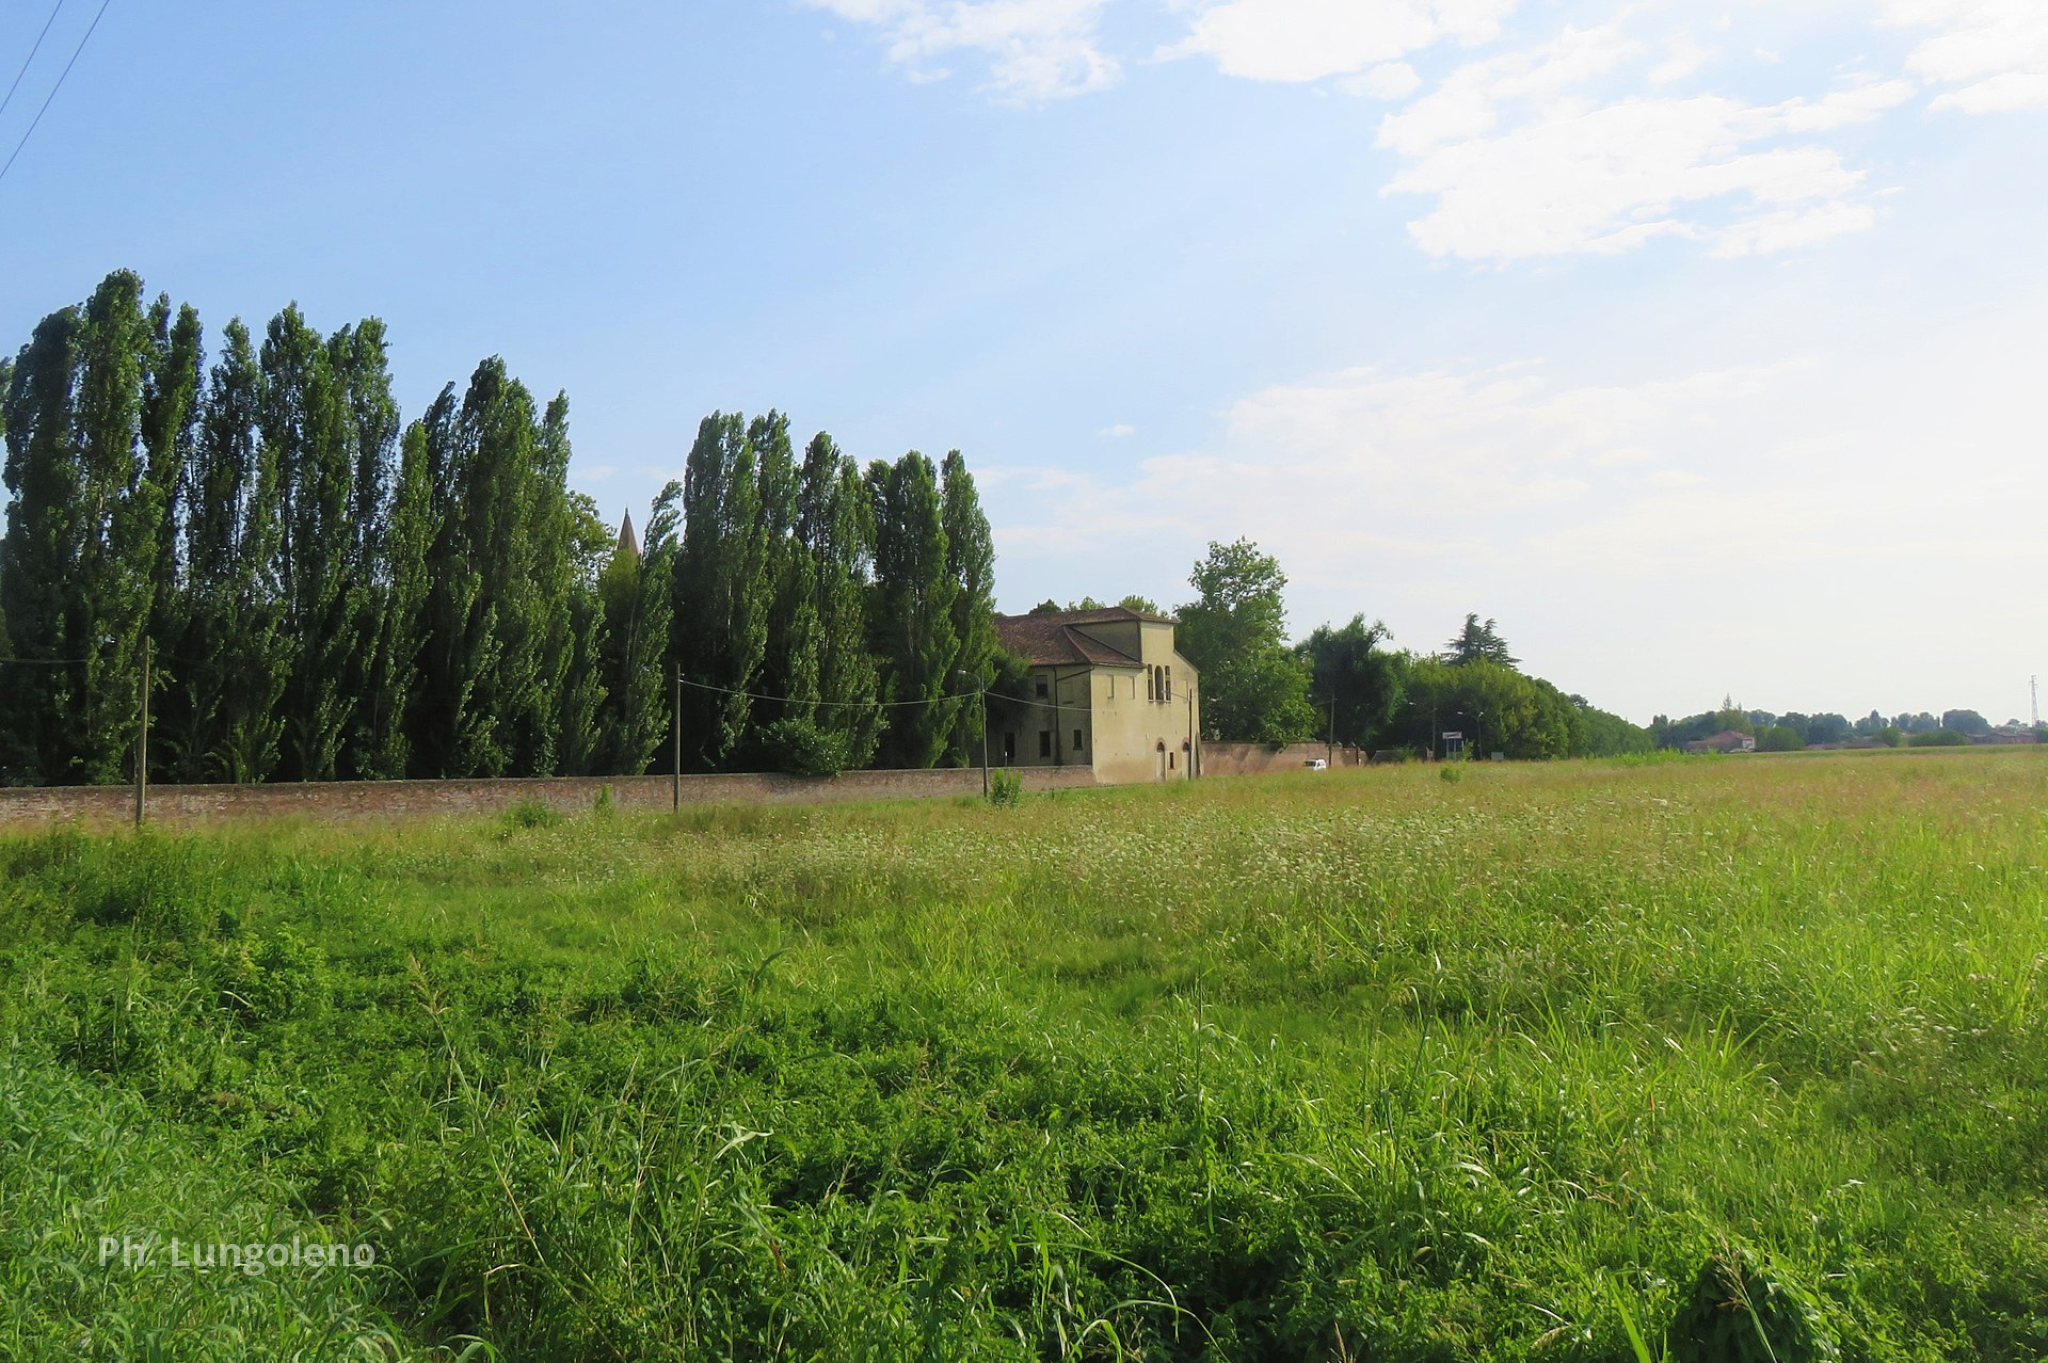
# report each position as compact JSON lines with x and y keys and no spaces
{"x":325,"y":591}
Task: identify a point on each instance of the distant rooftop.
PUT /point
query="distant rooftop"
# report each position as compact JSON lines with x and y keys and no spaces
{"x":1053,"y":639}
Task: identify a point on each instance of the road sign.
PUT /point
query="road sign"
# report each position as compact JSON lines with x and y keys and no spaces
{"x":1452,"y":733}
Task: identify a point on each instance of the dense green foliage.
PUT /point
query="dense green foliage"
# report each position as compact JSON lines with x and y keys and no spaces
{"x":1353,"y":1065}
{"x":1254,"y":689}
{"x":327,"y":591}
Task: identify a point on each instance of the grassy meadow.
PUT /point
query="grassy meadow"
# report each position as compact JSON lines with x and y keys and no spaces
{"x":1739,"y":1059}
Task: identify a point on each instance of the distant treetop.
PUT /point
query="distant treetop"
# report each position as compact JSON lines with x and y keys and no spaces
{"x":1479,"y":643}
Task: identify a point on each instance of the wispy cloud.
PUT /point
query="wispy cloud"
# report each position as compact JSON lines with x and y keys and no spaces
{"x":1995,"y":52}
{"x":1035,"y":50}
{"x":1524,"y":161}
{"x":1307,"y":40}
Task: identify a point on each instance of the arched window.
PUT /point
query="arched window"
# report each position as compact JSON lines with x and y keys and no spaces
{"x":1150,"y":693}
{"x":1169,"y":683}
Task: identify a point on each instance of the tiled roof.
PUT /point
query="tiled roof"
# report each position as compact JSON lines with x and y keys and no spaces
{"x":1052,"y":640}
{"x":1106,"y":615}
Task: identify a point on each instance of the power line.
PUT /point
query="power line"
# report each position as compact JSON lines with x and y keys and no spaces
{"x":55,"y":88}
{"x":836,"y":704}
{"x":31,"y":56}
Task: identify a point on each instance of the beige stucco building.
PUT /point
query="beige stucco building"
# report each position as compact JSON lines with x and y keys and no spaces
{"x":1107,"y":691}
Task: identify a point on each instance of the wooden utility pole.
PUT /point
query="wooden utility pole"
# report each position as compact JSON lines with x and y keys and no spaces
{"x":142,"y":741}
{"x":676,"y":771}
{"x":984,"y":742}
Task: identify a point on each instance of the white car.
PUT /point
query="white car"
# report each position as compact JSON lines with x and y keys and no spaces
{"x":1317,"y":764}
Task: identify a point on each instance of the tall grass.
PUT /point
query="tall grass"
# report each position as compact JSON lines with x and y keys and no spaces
{"x":1574,"y":1062}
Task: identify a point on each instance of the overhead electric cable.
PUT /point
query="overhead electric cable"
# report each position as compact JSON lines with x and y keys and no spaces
{"x":31,"y":56}
{"x":55,"y":88}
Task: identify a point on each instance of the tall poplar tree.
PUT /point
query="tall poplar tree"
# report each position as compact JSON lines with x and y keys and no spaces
{"x":459,"y":645}
{"x":635,"y":588}
{"x":234,"y":542}
{"x":358,"y":357}
{"x":582,"y":744}
{"x":123,"y":514}
{"x":39,"y":556}
{"x":171,"y":385}
{"x":836,"y":528}
{"x":722,"y":590}
{"x":385,"y":717}
{"x":913,"y":617}
{"x":971,"y":563}
{"x":305,"y":423}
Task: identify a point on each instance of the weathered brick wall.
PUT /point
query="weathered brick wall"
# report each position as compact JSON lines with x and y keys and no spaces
{"x":1249,"y":759}
{"x":342,"y":800}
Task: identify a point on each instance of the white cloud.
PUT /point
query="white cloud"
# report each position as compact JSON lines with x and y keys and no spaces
{"x":1388,"y":80}
{"x":1120,"y":431}
{"x":1036,"y":49}
{"x":1572,"y":174}
{"x":1683,"y":56}
{"x":1306,"y":40}
{"x":1996,"y":51}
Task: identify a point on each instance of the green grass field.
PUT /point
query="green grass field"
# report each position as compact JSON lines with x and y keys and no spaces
{"x":1715,"y":1059}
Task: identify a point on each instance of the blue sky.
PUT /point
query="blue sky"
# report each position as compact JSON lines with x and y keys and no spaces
{"x":1701,"y":345}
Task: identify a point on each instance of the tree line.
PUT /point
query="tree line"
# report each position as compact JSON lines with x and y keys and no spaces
{"x":326,"y":591}
{"x":1349,"y":685}
{"x":1794,"y":731}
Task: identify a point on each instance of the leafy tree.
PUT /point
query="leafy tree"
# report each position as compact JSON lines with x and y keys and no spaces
{"x":1478,"y":642}
{"x":1780,"y":738}
{"x":1939,"y":738}
{"x":1965,"y":722}
{"x":913,"y":615}
{"x":1366,"y":681}
{"x":1254,"y":688}
{"x":1828,"y":728}
{"x":1495,"y":707}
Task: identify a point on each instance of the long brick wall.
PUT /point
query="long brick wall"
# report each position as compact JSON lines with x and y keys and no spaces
{"x":1253,"y":759}
{"x":345,"y":800}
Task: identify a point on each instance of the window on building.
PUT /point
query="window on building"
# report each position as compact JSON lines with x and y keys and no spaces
{"x":1169,"y":762}
{"x":1009,"y":749}
{"x":1077,"y":740}
{"x":1169,"y":683}
{"x":1042,"y":686}
{"x":1110,"y":693}
{"x":1045,"y":743}
{"x":1149,"y":693}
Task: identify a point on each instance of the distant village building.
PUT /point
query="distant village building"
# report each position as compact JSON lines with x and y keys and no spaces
{"x":1728,"y":740}
{"x":1107,"y":691}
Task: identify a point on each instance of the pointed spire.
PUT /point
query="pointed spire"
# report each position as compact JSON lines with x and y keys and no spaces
{"x":627,"y":543}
